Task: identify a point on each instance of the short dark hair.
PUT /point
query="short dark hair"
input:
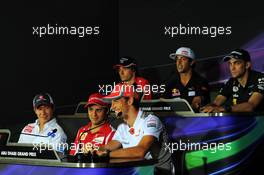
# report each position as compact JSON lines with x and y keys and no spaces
{"x":136,"y":102}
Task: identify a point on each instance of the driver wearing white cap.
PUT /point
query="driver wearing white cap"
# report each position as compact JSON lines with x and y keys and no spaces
{"x":187,"y":83}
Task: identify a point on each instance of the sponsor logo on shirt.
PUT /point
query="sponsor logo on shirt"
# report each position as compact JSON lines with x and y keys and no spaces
{"x":235,"y":95}
{"x":152,"y":122}
{"x":175,"y":92}
{"x":28,"y":129}
{"x":131,"y":130}
{"x":191,"y":93}
{"x":260,"y":87}
{"x":83,"y":136}
{"x":235,"y":88}
{"x":234,"y":101}
{"x":137,"y":134}
{"x":99,"y":140}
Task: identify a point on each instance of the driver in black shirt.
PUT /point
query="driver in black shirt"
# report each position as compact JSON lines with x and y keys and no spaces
{"x":187,"y":83}
{"x":245,"y":89}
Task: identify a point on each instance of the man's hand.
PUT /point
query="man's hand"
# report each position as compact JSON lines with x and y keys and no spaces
{"x":103,"y":153}
{"x":212,"y":108}
{"x":196,"y":103}
{"x":88,"y":148}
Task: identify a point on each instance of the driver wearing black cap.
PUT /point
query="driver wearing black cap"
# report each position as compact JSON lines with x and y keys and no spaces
{"x":45,"y":129}
{"x":244,"y":90}
{"x":127,"y":70}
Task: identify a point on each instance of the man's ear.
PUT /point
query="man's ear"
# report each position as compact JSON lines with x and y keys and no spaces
{"x":248,"y":65}
{"x":193,"y":62}
{"x":130,"y":101}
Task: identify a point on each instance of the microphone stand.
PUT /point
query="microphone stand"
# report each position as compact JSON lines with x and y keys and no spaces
{"x":89,"y":157}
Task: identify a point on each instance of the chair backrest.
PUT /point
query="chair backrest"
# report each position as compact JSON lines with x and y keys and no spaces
{"x":4,"y":136}
{"x":167,"y":106}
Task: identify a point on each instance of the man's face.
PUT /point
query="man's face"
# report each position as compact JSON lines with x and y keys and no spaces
{"x":237,"y":67}
{"x":44,"y":113}
{"x":125,"y":73}
{"x":120,"y":105}
{"x":97,"y":114}
{"x":183,"y":64}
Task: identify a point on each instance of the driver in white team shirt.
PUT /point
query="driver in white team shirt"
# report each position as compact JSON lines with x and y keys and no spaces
{"x":141,"y":135}
{"x":45,"y":130}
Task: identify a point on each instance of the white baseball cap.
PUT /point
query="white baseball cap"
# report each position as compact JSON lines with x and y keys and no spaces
{"x":183,"y":51}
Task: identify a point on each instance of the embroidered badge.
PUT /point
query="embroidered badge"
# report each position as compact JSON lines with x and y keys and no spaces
{"x":175,"y":92}
{"x":132,"y":130}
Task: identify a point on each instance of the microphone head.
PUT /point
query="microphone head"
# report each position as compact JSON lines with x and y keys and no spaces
{"x":52,"y":133}
{"x":54,"y":130}
{"x":119,"y":115}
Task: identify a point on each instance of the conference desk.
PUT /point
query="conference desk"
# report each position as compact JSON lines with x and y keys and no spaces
{"x":43,"y":167}
{"x":239,"y":134}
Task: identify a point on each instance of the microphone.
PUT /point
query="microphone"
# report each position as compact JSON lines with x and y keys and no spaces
{"x":79,"y":141}
{"x":80,"y":157}
{"x":119,"y":115}
{"x":51,"y":133}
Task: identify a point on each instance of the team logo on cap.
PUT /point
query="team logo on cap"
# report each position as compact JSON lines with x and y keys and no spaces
{"x":42,"y":97}
{"x":184,"y":52}
{"x":235,"y":52}
{"x":122,"y":60}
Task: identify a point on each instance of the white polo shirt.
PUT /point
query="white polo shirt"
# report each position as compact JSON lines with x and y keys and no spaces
{"x":51,"y":134}
{"x":143,"y":125}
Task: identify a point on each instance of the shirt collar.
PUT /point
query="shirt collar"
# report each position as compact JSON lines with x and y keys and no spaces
{"x":48,"y":124}
{"x":249,"y":80}
{"x":101,"y":130}
{"x":138,"y":118}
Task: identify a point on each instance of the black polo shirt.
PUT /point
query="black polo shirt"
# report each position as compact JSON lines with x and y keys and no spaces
{"x":197,"y":86}
{"x":235,"y":92}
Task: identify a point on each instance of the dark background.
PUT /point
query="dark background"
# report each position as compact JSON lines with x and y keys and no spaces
{"x":142,"y":32}
{"x":70,"y":68}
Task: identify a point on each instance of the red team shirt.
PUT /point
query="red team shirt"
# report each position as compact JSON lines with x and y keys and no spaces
{"x":102,"y":137}
{"x":143,"y":82}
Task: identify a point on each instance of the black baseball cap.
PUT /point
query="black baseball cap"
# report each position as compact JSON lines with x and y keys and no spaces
{"x":238,"y":54}
{"x":125,"y":62}
{"x":42,"y":99}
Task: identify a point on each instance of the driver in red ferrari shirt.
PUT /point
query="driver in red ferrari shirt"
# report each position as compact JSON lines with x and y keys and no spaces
{"x":98,"y":131}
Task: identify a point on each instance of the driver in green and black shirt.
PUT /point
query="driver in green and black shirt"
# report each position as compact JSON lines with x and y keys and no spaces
{"x":245,"y":88}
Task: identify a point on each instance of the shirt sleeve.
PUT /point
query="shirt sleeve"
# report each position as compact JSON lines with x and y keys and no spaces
{"x":226,"y":89}
{"x":21,"y":139}
{"x":152,"y":126}
{"x":259,"y":86}
{"x":203,"y":89}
